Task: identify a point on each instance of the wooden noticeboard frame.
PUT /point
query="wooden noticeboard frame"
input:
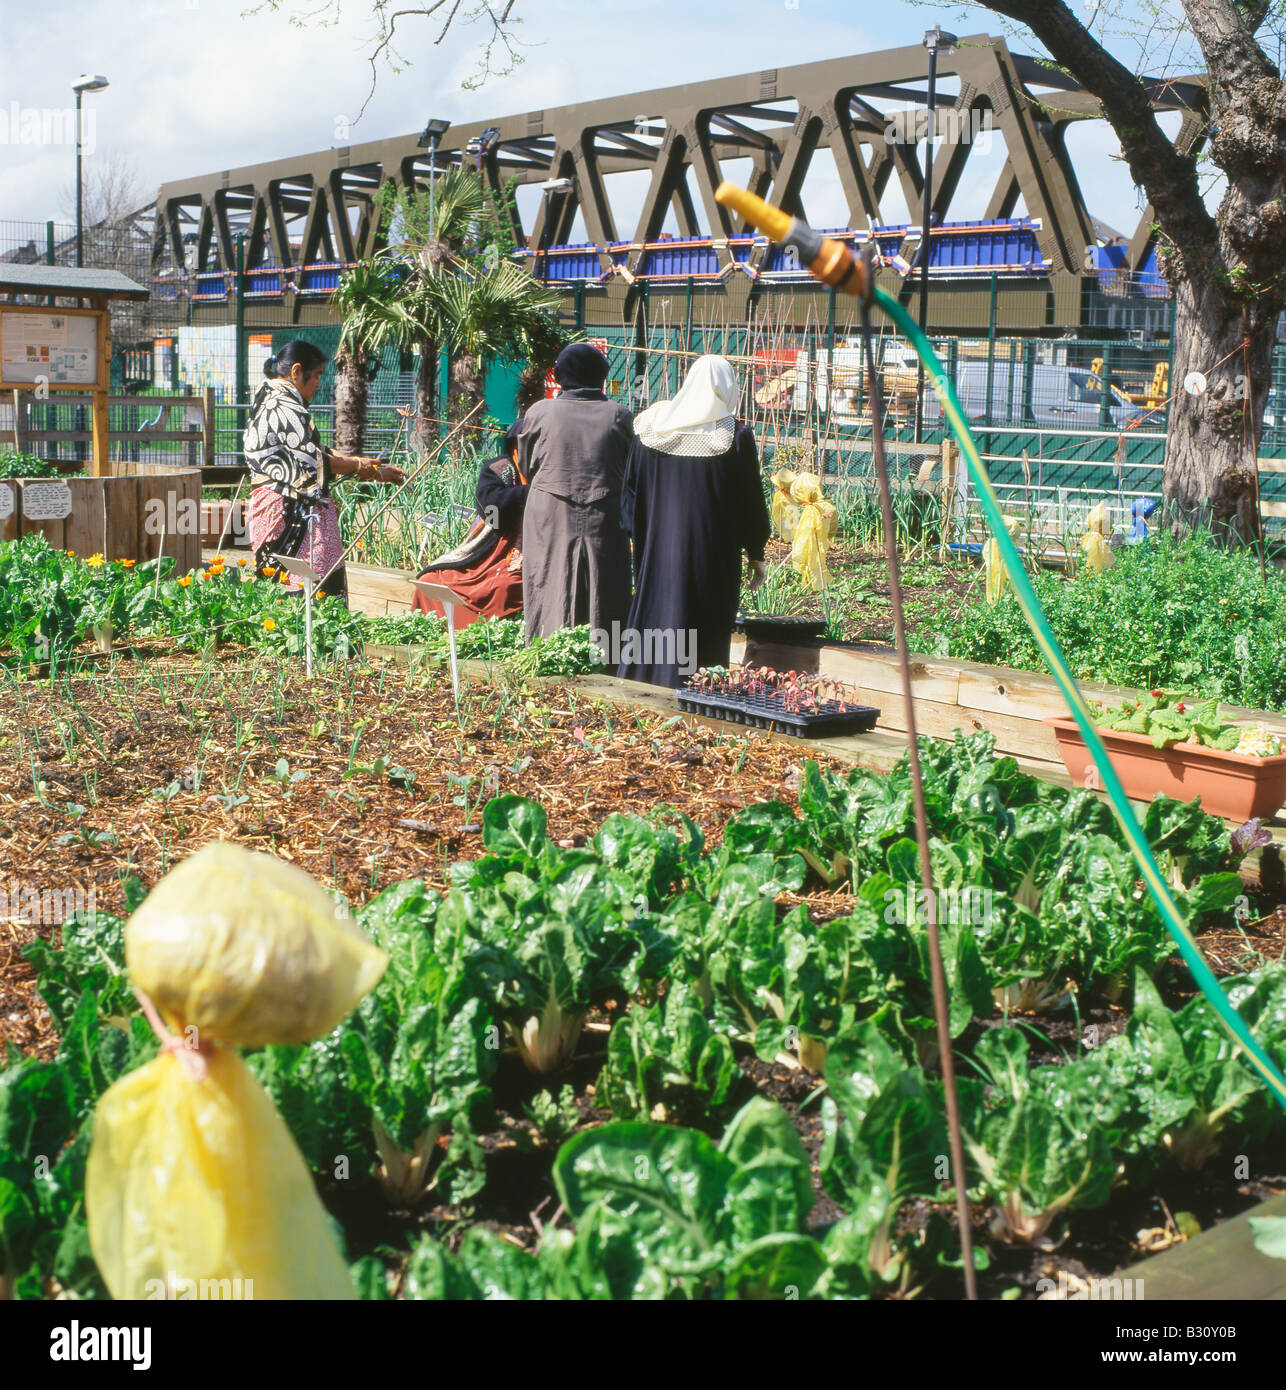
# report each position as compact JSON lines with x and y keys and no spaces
{"x":97,"y":389}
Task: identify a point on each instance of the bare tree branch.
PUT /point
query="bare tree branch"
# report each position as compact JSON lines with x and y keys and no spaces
{"x":1167,"y":176}
{"x":500,"y":39}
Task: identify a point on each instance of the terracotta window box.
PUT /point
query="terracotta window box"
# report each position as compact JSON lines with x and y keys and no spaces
{"x":1231,"y":785}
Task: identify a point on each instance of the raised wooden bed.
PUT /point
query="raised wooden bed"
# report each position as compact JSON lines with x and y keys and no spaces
{"x":1221,"y":1263}
{"x":109,"y":516}
{"x":953,"y":697}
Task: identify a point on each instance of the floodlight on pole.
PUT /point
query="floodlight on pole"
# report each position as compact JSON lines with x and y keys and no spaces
{"x":87,"y":82}
{"x":430,"y":140}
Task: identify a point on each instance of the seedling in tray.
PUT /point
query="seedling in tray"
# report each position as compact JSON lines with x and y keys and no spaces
{"x":807,"y":703}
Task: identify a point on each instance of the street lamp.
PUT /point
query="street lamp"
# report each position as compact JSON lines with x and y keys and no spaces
{"x":430,"y":140}
{"x":86,"y":83}
{"x":936,"y":40}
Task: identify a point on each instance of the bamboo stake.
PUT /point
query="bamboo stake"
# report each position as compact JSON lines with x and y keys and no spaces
{"x":940,"y":1005}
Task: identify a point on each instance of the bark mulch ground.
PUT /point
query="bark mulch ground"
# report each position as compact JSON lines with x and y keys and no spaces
{"x":123,"y":774}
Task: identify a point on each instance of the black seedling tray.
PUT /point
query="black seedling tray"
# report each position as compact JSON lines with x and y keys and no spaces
{"x":771,"y":627}
{"x":768,"y":711}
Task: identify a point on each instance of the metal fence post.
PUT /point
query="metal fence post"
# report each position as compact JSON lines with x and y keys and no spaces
{"x":242,"y":389}
{"x":1105,"y":400}
{"x":1169,"y":384}
{"x":991,"y":348}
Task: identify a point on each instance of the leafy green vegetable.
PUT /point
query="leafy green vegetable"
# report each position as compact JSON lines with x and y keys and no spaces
{"x":667,"y":1061}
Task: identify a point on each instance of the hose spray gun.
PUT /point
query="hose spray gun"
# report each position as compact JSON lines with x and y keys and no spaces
{"x":830,"y":261}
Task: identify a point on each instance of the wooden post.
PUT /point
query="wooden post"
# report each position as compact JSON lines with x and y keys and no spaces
{"x":948,"y":490}
{"x":17,"y":421}
{"x":102,"y":465}
{"x":207,"y":442}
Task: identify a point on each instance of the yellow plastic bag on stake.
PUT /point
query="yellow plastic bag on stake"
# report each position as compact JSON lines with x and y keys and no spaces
{"x":1098,"y":525}
{"x":818,"y":521}
{"x":194,"y":1186}
{"x":784,"y":511}
{"x":993,"y":567}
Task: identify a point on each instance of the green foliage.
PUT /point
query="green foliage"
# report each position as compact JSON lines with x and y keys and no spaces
{"x":1169,"y":718}
{"x":532,"y":936}
{"x":17,"y":465}
{"x":1181,"y":614}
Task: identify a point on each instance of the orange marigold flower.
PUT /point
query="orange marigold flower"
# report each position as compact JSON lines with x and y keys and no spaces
{"x":185,"y":581}
{"x":268,"y":573}
{"x":129,"y":564}
{"x":269,"y":625}
{"x":241,"y":563}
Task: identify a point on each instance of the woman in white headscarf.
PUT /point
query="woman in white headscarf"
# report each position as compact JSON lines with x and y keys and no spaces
{"x":693,"y":504}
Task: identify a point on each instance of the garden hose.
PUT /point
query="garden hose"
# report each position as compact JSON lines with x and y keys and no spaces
{"x":847,"y":272}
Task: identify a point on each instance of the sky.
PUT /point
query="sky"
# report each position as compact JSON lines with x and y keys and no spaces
{"x":202,"y":85}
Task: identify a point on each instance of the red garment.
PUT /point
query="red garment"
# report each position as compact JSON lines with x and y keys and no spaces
{"x":487,"y":589}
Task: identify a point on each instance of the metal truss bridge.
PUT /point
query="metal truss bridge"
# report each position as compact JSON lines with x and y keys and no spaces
{"x":303,"y":219}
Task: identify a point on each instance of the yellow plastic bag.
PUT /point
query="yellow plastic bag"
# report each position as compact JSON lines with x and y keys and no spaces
{"x":194,"y":1186}
{"x":816,"y":523}
{"x":1098,"y":555}
{"x":248,"y":950}
{"x":784,"y":512}
{"x":195,"y":1189}
{"x":993,"y":567}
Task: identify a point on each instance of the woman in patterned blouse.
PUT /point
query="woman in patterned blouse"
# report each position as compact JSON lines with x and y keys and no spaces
{"x":291,"y":511}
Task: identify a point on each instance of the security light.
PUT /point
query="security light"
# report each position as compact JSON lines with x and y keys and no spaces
{"x":433,"y":133}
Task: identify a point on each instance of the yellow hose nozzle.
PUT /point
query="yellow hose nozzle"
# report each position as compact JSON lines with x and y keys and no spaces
{"x":773,"y":222}
{"x":829,"y":260}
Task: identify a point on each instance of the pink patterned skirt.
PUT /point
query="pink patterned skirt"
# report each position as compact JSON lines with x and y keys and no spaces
{"x":322,"y":548}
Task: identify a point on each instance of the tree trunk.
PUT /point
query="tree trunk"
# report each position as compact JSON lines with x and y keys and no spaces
{"x":1212,"y":445}
{"x":351,"y":394}
{"x":468,"y":390}
{"x":426,"y":398}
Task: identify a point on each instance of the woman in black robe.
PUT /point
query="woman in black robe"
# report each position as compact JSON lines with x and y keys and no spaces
{"x":693,"y":502}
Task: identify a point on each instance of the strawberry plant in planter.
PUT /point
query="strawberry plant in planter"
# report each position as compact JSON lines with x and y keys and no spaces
{"x":1180,"y":747}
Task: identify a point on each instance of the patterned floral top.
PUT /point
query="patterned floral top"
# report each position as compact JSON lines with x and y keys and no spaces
{"x":282,"y":447}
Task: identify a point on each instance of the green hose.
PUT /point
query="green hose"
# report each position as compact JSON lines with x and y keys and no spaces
{"x":1048,"y":644}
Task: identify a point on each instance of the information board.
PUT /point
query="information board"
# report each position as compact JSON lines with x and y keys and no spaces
{"x":48,"y":345}
{"x":46,"y":501}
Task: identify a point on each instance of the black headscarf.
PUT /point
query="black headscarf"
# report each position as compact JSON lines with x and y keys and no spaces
{"x":580,"y":367}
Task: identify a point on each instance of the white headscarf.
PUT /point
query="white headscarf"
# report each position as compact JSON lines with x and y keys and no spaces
{"x":700,"y":421}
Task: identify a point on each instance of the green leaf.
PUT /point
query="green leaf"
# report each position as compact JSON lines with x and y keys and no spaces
{"x":1270,"y":1235}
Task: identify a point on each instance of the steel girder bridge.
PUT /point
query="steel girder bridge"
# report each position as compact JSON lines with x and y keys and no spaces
{"x":301,"y":220}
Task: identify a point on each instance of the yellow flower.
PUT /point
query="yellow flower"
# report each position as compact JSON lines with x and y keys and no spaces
{"x":268,"y":573}
{"x":185,"y":581}
{"x":129,"y":564}
{"x":95,"y":560}
{"x":269,"y":625}
{"x":241,"y":563}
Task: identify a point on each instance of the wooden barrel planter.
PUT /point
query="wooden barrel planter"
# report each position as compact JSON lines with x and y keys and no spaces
{"x":154,"y":509}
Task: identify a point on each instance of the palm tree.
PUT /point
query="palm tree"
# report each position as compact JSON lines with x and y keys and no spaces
{"x":427,"y":244}
{"x":481,"y":313}
{"x":362,"y":300}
